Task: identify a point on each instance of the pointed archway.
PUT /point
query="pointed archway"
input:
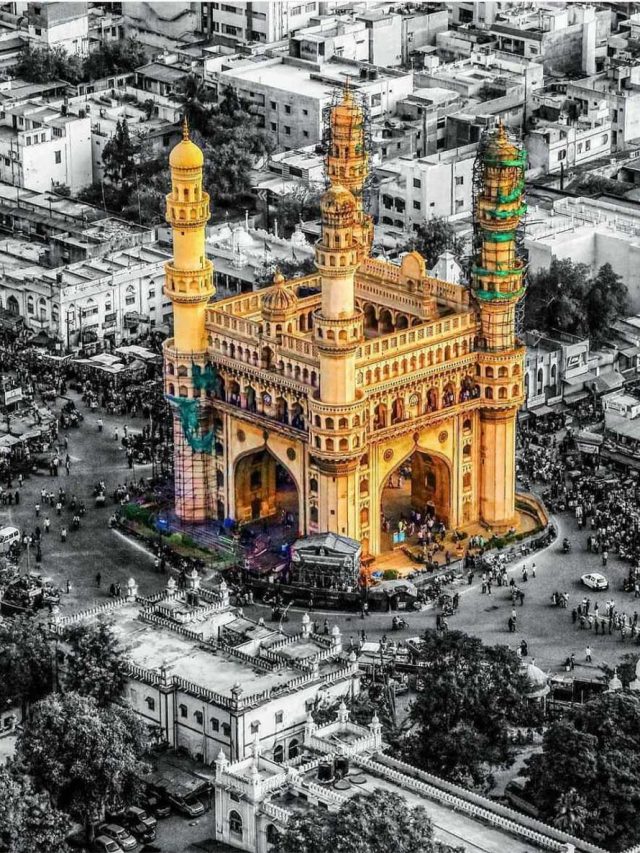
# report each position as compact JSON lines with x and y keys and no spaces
{"x":264,"y":489}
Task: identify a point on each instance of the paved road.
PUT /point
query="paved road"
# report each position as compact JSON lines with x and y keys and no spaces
{"x":95,"y":547}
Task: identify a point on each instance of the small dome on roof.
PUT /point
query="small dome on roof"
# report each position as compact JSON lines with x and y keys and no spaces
{"x":186,"y":154}
{"x":338,"y":198}
{"x":538,"y":682}
{"x":280,"y":299}
{"x":241,"y":239}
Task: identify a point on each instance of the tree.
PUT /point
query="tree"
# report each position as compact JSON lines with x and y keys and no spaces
{"x":26,"y":663}
{"x":434,"y":237}
{"x":114,"y":57}
{"x":471,"y":694}
{"x":85,"y":756}
{"x":119,"y":155}
{"x":300,"y":203}
{"x":28,"y":820}
{"x":46,"y":64}
{"x":96,"y":665}
{"x":195,"y":97}
{"x":376,"y":824}
{"x":566,"y":298}
{"x":232,"y":143}
{"x":589,"y":771}
{"x":607,"y":299}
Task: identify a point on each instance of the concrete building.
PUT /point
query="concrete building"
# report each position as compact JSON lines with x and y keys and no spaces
{"x":289,"y":96}
{"x":64,"y":25}
{"x":337,"y":379}
{"x":412,"y":190}
{"x":160,"y":26}
{"x":569,"y":38}
{"x":553,"y":146}
{"x":101,"y":300}
{"x":590,"y":231}
{"x":619,"y":86}
{"x":213,"y":681}
{"x":63,"y":231}
{"x":262,"y":21}
{"x":255,"y":798}
{"x":42,"y":146}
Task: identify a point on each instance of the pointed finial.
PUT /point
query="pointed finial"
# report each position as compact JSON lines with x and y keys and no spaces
{"x":347,"y":90}
{"x":185,"y":129}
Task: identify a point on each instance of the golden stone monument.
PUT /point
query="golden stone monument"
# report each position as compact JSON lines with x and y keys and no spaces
{"x":323,"y":387}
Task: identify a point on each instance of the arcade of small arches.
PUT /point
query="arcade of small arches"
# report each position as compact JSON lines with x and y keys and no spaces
{"x":379,"y":320}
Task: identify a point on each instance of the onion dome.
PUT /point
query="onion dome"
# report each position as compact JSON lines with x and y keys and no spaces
{"x":186,"y":154}
{"x":538,"y":682}
{"x":614,"y":683}
{"x":338,"y":204}
{"x":279,"y":301}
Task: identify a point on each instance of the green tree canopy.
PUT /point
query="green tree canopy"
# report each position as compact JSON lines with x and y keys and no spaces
{"x":46,"y":64}
{"x":433,"y":237}
{"x":28,"y":820}
{"x":378,"y":823}
{"x":195,"y":97}
{"x":85,"y":756}
{"x":588,"y":773}
{"x":113,"y":57}
{"x":119,"y":155}
{"x":471,"y":694}
{"x":567,"y":298}
{"x":96,"y":665}
{"x":26,"y":662}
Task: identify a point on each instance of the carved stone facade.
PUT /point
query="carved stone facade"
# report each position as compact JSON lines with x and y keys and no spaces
{"x":343,"y":376}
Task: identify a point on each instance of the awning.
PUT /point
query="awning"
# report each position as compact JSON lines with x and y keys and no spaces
{"x":570,"y":399}
{"x":608,"y":382}
{"x":541,"y":411}
{"x":589,"y":376}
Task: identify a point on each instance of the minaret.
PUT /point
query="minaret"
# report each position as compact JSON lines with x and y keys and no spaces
{"x":498,"y":283}
{"x":189,"y":285}
{"x":337,"y":411}
{"x":348,"y":159}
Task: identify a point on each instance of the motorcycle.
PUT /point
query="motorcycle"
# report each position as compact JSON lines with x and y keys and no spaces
{"x":398,"y":624}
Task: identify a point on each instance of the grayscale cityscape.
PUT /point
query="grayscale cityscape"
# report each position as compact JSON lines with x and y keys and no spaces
{"x":320,"y":427}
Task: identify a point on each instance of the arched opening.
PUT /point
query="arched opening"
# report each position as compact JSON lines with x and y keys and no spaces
{"x":448,"y":395}
{"x":278,"y":753}
{"x":432,"y":400}
{"x":294,"y":748}
{"x":380,"y":416}
{"x":402,"y":322}
{"x":418,"y":491}
{"x":264,"y":488}
{"x":250,"y":395}
{"x":272,"y":835}
{"x":385,"y":324}
{"x":370,"y":319}
{"x":282,"y":410}
{"x":235,"y":823}
{"x":12,"y":305}
{"x":397,"y":411}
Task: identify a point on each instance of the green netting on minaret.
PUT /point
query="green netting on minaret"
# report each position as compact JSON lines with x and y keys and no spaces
{"x":189,"y":411}
{"x":205,"y":379}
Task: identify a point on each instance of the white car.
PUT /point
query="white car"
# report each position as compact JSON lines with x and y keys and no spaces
{"x":594,"y":580}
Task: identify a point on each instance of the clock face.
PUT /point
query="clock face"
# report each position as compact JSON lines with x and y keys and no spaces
{"x":266,"y":399}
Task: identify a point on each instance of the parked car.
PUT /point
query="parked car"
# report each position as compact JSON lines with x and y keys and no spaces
{"x":140,"y":825}
{"x":119,"y":834}
{"x":104,"y":844}
{"x":594,"y":580}
{"x":138,"y":814}
{"x":156,"y":805}
{"x":188,"y":808}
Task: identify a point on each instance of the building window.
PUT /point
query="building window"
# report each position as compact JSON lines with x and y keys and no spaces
{"x":416,"y":205}
{"x":287,"y":109}
{"x":198,"y":717}
{"x":235,"y":823}
{"x":279,"y":717}
{"x":226,"y":729}
{"x":151,"y":703}
{"x":215,"y":724}
{"x":417,"y":183}
{"x":183,"y":711}
{"x":459,"y":203}
{"x":305,"y":133}
{"x":274,"y":106}
{"x":459,"y":181}
{"x":58,"y":156}
{"x":287,"y":130}
{"x":255,"y":727}
{"x":587,"y":145}
{"x":28,"y":138}
{"x":562,"y":155}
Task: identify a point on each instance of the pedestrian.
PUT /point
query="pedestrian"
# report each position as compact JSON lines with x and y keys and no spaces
{"x":37,"y":510}
{"x":511,"y":625}
{"x":574,"y":615}
{"x":98,"y":579}
{"x":115,"y":434}
{"x":605,"y":557}
{"x":100,"y":425}
{"x":572,"y":660}
{"x":67,"y":465}
{"x":521,"y":596}
{"x":588,"y":654}
{"x":17,"y":497}
{"x":533,"y":570}
{"x":46,"y":523}
{"x":59,"y":507}
{"x":68,"y":586}
{"x":63,"y":534}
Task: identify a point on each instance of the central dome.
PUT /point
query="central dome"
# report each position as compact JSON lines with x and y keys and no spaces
{"x":186,"y":154}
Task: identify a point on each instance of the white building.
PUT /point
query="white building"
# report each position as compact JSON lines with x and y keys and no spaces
{"x":41,"y":145}
{"x":64,"y":25}
{"x":412,"y":190}
{"x":254,"y":21}
{"x":99,"y":300}
{"x":553,"y":145}
{"x":212,"y":680}
{"x":289,"y":97}
{"x":619,"y":86}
